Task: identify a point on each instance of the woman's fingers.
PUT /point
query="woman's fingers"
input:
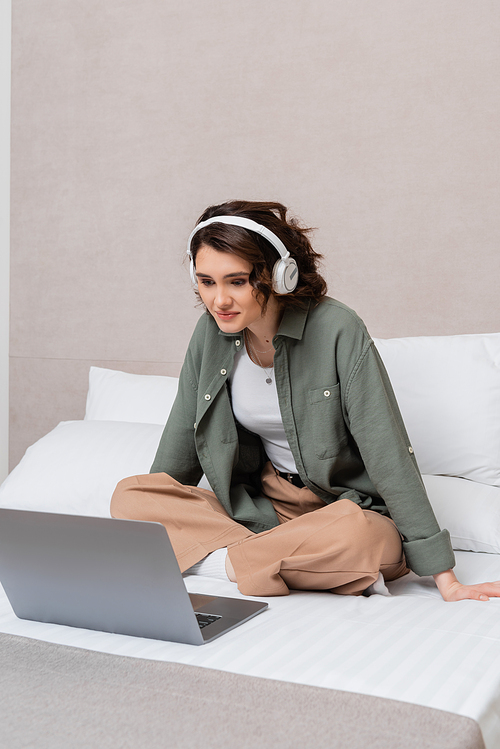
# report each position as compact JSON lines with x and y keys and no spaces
{"x":479,"y":592}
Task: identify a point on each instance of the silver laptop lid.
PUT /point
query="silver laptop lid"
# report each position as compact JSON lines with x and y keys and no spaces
{"x":96,"y":573}
{"x":111,"y":575}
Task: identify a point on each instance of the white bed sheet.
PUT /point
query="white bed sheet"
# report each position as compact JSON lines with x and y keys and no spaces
{"x":411,"y":646}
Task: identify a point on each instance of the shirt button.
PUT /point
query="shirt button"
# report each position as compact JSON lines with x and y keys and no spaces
{"x":223,"y":372}
{"x":238,"y":342}
{"x":195,"y":424}
{"x":207,"y":397}
{"x":326,"y":393}
{"x":410,"y":450}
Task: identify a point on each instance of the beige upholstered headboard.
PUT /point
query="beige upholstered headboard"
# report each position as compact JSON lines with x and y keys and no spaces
{"x":376,"y":122}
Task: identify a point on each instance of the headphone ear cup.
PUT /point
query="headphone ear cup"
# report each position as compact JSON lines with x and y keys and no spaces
{"x":192,"y":272}
{"x":285,"y":276}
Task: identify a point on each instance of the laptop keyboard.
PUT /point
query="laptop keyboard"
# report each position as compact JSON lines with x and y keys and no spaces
{"x":205,"y":619}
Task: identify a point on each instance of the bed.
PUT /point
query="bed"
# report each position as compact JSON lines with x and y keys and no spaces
{"x":405,"y":669}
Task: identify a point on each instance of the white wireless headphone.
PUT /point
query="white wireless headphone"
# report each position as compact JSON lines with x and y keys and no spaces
{"x":285,"y":271}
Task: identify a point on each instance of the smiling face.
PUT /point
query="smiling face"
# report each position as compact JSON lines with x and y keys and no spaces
{"x":226,"y":291}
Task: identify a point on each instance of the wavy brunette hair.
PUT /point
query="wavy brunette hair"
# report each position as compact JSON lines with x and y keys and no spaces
{"x":260,"y":253}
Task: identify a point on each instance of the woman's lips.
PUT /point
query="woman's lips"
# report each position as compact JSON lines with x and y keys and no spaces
{"x":226,"y":315}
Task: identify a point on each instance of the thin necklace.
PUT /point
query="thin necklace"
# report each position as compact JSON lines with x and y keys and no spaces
{"x":253,"y":347}
{"x":251,"y":351}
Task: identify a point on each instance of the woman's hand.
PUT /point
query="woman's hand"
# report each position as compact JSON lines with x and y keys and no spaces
{"x":452,"y":590}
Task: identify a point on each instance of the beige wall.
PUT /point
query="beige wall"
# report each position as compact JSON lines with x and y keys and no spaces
{"x":377,"y":122}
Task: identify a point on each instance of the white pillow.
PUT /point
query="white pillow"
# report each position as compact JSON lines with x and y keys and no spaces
{"x":470,"y":511}
{"x":119,"y":396}
{"x":74,"y":469}
{"x":448,"y":390}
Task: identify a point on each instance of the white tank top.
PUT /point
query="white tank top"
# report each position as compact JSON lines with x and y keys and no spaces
{"x":256,"y":407}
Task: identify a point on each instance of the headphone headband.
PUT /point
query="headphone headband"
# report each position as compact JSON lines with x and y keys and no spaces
{"x":245,"y":223}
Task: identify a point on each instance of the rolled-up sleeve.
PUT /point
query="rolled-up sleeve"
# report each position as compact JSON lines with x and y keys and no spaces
{"x":376,"y":424}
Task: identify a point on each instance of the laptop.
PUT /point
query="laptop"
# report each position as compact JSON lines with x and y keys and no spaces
{"x":110,"y":575}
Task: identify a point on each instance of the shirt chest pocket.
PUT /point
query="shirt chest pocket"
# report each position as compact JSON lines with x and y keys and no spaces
{"x":327,"y":423}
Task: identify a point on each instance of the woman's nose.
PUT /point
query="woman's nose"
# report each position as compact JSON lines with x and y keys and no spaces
{"x":222,"y":297}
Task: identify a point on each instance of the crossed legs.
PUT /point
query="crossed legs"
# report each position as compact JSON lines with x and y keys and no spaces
{"x":337,"y":547}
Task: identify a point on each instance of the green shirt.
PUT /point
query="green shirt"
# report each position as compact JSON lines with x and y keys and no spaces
{"x":340,"y":417}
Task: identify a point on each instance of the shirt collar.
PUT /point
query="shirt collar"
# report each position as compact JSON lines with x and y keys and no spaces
{"x":294,"y":320}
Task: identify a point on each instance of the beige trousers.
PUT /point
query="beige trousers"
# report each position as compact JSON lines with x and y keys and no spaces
{"x":337,"y":547}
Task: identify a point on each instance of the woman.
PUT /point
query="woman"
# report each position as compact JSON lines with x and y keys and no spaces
{"x":285,"y":406}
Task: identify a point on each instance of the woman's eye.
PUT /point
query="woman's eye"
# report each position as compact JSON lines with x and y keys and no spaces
{"x":206,"y":282}
{"x":239,"y":282}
